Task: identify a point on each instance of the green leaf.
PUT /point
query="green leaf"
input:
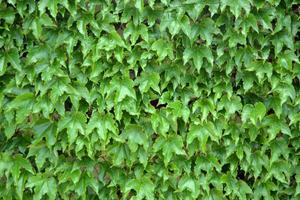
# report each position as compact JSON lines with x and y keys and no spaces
{"x":123,"y":89}
{"x":45,"y":129}
{"x":18,"y":163}
{"x":135,"y":136}
{"x":169,"y":146}
{"x":2,"y":65}
{"x":41,"y":153}
{"x":197,"y":54}
{"x":163,"y":49}
{"x":189,"y":184}
{"x":237,"y":6}
{"x":144,"y":187}
{"x":42,"y":185}
{"x":207,"y":29}
{"x":199,"y":132}
{"x":103,"y":124}
{"x":50,"y":4}
{"x":258,"y":112}
{"x":7,"y":14}
{"x":74,"y":123}
{"x":244,"y":189}
{"x":13,"y":58}
{"x":261,"y":69}
{"x":135,"y":32}
{"x":160,"y":123}
{"x":149,"y":80}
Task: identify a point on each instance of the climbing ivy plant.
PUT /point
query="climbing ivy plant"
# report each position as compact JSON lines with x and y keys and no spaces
{"x":149,"y":99}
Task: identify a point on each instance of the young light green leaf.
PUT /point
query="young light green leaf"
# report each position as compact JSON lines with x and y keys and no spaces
{"x":74,"y":123}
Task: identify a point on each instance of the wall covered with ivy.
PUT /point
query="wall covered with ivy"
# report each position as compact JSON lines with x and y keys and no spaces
{"x":149,"y":99}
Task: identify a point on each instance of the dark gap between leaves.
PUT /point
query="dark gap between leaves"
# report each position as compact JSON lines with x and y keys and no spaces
{"x":68,"y":105}
{"x":132,"y":74}
{"x":211,"y":186}
{"x":155,"y":104}
{"x":225,"y":168}
{"x":240,"y":173}
{"x":270,"y":111}
{"x":140,"y":69}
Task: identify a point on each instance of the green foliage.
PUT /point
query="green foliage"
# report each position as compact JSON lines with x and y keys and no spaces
{"x":156,"y":99}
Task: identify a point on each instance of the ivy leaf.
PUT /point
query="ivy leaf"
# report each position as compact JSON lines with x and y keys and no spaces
{"x":41,"y":153}
{"x":199,"y":132}
{"x":149,"y":80}
{"x":285,"y":92}
{"x":279,"y":147}
{"x":144,"y":187}
{"x":51,"y":5}
{"x":103,"y":124}
{"x":237,"y":6}
{"x":169,"y":146}
{"x":45,"y":129}
{"x":191,"y":185}
{"x":2,"y":65}
{"x":13,"y":58}
{"x":244,"y":189}
{"x":163,"y":49}
{"x":197,"y":54}
{"x":123,"y":88}
{"x":231,"y":105}
{"x":84,"y":183}
{"x":280,"y":171}
{"x":42,"y":185}
{"x":258,"y":112}
{"x":160,"y":123}
{"x":119,"y":152}
{"x":207,"y":29}
{"x":275,"y":126}
{"x":287,"y":58}
{"x":179,"y":110}
{"x":18,"y":163}
{"x":7,"y":14}
{"x":136,"y":31}
{"x":206,"y":106}
{"x":74,"y":123}
{"x":248,"y":22}
{"x":23,"y":105}
{"x":135,"y":136}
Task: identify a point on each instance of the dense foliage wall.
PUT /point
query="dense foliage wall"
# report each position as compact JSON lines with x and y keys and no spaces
{"x":122,"y":99}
